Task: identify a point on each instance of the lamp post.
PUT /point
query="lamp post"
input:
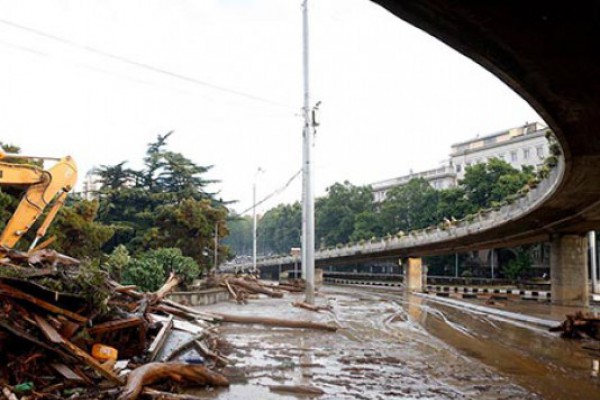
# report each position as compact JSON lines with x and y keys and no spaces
{"x":259,"y":170}
{"x":308,"y":215}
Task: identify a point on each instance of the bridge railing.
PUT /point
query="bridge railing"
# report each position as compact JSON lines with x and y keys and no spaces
{"x":482,"y":221}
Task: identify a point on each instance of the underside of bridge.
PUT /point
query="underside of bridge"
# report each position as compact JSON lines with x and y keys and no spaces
{"x":549,"y":53}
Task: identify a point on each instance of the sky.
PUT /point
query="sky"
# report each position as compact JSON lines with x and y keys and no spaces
{"x":100,"y":79}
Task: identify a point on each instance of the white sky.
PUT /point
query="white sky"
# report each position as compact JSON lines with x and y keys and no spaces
{"x":394,"y":98}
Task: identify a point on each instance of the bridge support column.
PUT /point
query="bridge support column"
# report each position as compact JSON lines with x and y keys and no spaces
{"x":415,"y":275}
{"x":569,"y":270}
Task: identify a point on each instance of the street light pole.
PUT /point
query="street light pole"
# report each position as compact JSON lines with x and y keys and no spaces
{"x":308,"y":214}
{"x":254,"y":220}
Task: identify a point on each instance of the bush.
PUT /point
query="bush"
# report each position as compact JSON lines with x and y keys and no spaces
{"x":152,"y":269}
{"x":174,"y":261}
{"x":519,"y":267}
{"x":146,"y":273}
{"x":116,"y":262}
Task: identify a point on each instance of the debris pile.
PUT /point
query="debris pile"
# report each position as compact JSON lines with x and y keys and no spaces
{"x":244,"y":287}
{"x":579,"y":326}
{"x":67,"y":331}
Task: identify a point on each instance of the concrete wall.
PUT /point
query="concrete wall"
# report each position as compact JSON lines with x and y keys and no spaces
{"x":200,"y":297}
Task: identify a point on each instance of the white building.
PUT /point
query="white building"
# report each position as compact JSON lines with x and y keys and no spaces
{"x":90,"y":185}
{"x":439,"y":178}
{"x":523,"y":145}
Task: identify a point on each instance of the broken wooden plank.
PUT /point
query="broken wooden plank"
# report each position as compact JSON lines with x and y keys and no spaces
{"x":116,"y":325}
{"x":160,"y":338}
{"x":198,"y":314}
{"x":183,"y":346}
{"x":48,"y":330}
{"x":68,"y":373}
{"x":195,"y":327}
{"x":17,"y":294}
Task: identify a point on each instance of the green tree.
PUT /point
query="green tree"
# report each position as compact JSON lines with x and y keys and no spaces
{"x":113,"y":177}
{"x":77,"y":232}
{"x":453,"y":204}
{"x":346,"y":211}
{"x":493,"y":181}
{"x":151,"y":269}
{"x":410,"y":206}
{"x":167,"y":206}
{"x":190,"y":226}
{"x":280,"y":229}
{"x":239,"y":239}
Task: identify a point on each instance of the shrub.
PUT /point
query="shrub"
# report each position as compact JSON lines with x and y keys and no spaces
{"x":519,"y":267}
{"x":116,"y":262}
{"x":151,"y":269}
{"x":146,"y":273}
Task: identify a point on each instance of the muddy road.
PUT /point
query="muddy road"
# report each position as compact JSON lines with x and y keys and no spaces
{"x":397,"y":346}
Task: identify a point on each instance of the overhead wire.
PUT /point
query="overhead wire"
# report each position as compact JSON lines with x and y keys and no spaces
{"x":274,"y":193}
{"x":142,"y":65}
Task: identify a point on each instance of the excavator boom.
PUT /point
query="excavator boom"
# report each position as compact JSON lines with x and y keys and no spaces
{"x":42,"y":188}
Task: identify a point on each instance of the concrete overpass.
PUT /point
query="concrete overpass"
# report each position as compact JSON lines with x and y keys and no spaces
{"x":548,"y":53}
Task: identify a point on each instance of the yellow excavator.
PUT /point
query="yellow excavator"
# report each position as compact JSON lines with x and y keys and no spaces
{"x":42,"y":187}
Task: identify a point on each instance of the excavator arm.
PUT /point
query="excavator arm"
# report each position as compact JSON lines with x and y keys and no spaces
{"x":42,"y":187}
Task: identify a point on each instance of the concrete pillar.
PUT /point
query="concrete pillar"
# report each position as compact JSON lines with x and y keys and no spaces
{"x":569,"y":270}
{"x":415,"y":275}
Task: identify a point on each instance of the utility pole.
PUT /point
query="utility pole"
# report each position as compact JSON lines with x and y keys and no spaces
{"x":308,"y":213}
{"x":254,"y":219}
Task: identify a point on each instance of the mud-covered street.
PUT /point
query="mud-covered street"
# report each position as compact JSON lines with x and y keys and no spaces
{"x":398,"y":346}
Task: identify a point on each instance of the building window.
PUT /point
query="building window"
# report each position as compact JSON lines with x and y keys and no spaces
{"x":458,"y":167}
{"x":540,"y":151}
{"x":513,"y":156}
{"x":525,"y":154}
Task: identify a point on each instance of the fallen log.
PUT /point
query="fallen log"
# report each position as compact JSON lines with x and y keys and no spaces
{"x":254,"y":287}
{"x":152,"y":372}
{"x":311,"y":307}
{"x":290,"y":288}
{"x":298,"y":389}
{"x":282,"y":323}
{"x":169,"y":285}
